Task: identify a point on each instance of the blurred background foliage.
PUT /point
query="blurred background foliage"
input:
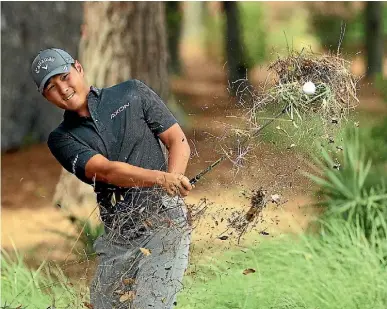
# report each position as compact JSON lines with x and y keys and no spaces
{"x":327,"y":25}
{"x":315,"y":25}
{"x":267,"y":29}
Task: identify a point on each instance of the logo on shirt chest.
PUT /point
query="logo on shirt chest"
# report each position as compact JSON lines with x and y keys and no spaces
{"x":119,"y":110}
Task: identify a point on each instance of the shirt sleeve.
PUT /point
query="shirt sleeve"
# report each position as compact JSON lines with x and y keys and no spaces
{"x":157,"y":115}
{"x":71,"y":154}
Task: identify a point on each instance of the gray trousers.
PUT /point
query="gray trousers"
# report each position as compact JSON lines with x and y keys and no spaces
{"x":144,"y":271}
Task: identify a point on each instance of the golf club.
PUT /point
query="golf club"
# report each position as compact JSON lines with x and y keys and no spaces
{"x":196,"y":178}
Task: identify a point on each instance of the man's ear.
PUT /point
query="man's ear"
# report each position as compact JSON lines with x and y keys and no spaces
{"x":78,"y":67}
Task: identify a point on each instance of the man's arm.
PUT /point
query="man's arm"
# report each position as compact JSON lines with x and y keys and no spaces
{"x":178,"y":148}
{"x":125,"y":175}
{"x":89,"y":166}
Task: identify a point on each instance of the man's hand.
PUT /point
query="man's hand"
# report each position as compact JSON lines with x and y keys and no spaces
{"x":175,"y":184}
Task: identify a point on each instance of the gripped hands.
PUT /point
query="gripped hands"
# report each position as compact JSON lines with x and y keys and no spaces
{"x":175,"y":184}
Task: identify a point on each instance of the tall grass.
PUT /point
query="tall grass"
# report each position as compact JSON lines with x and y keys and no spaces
{"x":86,"y":233}
{"x":337,"y":269}
{"x":37,"y":289}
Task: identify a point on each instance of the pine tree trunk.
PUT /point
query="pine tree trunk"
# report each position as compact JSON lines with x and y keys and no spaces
{"x":236,"y":58}
{"x":374,"y":37}
{"x":120,"y":40}
{"x":174,"y":17}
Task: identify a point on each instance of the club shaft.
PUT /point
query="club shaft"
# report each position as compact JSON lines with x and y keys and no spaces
{"x":195,"y":179}
{"x":205,"y":171}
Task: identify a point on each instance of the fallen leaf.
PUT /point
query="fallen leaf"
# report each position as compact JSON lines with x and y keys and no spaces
{"x":87,"y":305}
{"x":113,"y":200}
{"x":127,"y":296}
{"x":128,"y":281}
{"x":120,"y":292}
{"x":248,"y":271}
{"x":224,"y":237}
{"x":145,"y":251}
{"x":148,"y":223}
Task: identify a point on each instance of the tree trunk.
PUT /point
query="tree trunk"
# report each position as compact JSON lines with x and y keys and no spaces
{"x":120,"y":40}
{"x":174,"y":17}
{"x":236,"y":61}
{"x":374,"y":37}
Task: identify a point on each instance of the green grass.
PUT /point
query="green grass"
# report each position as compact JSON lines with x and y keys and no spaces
{"x":37,"y":289}
{"x":306,"y":137}
{"x":337,"y":269}
{"x":86,"y":233}
{"x":310,"y":135}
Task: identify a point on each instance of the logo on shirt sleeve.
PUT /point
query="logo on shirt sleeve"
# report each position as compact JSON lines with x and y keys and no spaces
{"x":74,"y":164}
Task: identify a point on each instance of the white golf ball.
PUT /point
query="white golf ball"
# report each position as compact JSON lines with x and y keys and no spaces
{"x":309,"y":88}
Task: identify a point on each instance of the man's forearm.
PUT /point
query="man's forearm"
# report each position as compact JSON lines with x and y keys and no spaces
{"x":178,"y":157}
{"x":126,"y":175}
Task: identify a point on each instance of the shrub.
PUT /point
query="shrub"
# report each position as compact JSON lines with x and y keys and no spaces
{"x":350,"y":189}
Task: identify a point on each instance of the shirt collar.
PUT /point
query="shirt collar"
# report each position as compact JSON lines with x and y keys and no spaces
{"x":96,"y":90}
{"x":71,"y":116}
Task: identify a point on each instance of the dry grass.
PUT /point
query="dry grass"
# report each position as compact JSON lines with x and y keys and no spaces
{"x":335,"y":97}
{"x":336,"y":87}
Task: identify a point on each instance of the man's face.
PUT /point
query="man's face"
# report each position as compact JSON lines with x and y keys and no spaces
{"x":68,"y":90}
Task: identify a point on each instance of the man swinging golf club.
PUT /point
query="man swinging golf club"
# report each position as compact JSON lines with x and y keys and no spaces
{"x":110,"y":138}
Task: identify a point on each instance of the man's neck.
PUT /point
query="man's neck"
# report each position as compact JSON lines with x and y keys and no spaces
{"x":84,"y":110}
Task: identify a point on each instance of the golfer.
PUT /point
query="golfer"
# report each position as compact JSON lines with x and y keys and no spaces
{"x":111,"y":139}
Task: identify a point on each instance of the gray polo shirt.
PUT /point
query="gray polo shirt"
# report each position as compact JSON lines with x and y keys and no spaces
{"x":125,"y":122}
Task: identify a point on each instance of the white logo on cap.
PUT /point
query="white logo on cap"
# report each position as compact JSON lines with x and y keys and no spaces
{"x":42,"y":61}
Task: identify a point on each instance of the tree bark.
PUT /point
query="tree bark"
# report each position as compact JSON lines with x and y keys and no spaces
{"x":119,"y":41}
{"x":174,"y":17}
{"x":237,"y":68}
{"x":374,"y":37}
